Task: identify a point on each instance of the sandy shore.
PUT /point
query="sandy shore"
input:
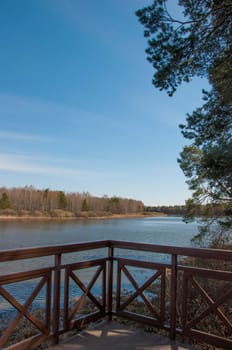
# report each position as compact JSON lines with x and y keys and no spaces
{"x":114,"y":216}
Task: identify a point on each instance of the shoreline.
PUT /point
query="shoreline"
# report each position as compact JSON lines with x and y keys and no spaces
{"x":105,"y":217}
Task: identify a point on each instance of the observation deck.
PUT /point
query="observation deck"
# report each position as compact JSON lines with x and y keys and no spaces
{"x":182,"y":293}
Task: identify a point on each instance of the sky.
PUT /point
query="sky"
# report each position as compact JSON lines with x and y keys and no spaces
{"x":78,"y":111}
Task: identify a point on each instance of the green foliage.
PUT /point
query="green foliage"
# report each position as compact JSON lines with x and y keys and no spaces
{"x":5,"y":201}
{"x":180,"y":48}
{"x":114,"y":205}
{"x":62,"y":200}
{"x":207,"y":163}
{"x":178,"y":210}
{"x":199,"y":44}
{"x":84,"y":206}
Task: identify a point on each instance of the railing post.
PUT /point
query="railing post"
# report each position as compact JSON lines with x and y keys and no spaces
{"x":110,"y":281}
{"x":56,"y":300}
{"x":173,"y":297}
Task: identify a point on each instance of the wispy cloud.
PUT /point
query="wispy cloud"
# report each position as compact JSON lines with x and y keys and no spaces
{"x":23,"y":137}
{"x":29,"y":164}
{"x":45,"y":114}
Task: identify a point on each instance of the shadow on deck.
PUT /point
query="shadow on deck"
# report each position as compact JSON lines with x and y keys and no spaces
{"x":115,"y":336}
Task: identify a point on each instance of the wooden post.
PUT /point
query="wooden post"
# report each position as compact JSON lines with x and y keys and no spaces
{"x":173,"y":296}
{"x":56,"y":302}
{"x":110,"y":281}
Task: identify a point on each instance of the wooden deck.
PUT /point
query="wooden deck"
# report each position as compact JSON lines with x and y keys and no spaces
{"x":205,"y":287}
{"x":115,"y":336}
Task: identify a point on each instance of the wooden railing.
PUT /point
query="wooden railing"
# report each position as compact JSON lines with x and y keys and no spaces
{"x":188,"y":296}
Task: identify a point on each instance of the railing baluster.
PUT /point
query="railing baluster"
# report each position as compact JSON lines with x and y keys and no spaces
{"x":110,"y":281}
{"x":48,"y":302}
{"x":190,"y":323}
{"x":66,"y":298}
{"x":173,"y":296}
{"x":185,"y":300}
{"x":56,"y":304}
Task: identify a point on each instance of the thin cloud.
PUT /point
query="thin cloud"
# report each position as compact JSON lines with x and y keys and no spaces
{"x":42,"y":111}
{"x":23,"y":137}
{"x":26,"y":164}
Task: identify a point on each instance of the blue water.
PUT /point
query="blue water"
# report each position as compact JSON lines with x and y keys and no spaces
{"x":157,"y":230}
{"x":21,"y":234}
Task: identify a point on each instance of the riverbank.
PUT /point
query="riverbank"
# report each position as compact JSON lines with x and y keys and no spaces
{"x":83,"y":217}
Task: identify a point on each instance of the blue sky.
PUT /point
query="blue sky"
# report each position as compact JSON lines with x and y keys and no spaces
{"x":78,"y":110}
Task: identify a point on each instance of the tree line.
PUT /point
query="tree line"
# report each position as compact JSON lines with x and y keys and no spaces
{"x":179,"y":210}
{"x":31,"y":201}
{"x":189,"y":211}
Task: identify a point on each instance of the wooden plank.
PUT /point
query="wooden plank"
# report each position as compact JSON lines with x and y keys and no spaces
{"x":173,"y":251}
{"x":214,"y":340}
{"x":87,"y":289}
{"x":222,"y":254}
{"x":84,"y":264}
{"x":104,"y":286}
{"x":22,"y":311}
{"x":138,"y":318}
{"x":173,"y":297}
{"x":48,"y":302}
{"x":24,"y":276}
{"x":185,"y":301}
{"x":66,"y":299}
{"x":207,"y":273}
{"x":139,"y":292}
{"x":143,"y":264}
{"x":82,"y":321}
{"x":162,"y":297}
{"x":110,"y":281}
{"x":213,"y":306}
{"x":29,"y":343}
{"x":27,"y":253}
{"x":56,"y":299}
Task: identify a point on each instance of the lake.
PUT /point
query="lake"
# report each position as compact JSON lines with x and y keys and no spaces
{"x":21,"y":234}
{"x":157,"y":230}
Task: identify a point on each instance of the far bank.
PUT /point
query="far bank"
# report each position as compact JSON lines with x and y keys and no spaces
{"x":84,"y":216}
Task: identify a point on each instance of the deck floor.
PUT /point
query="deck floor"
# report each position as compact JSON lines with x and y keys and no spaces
{"x":115,"y":336}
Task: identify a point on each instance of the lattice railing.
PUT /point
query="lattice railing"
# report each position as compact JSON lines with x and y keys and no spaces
{"x":85,"y":296}
{"x":154,"y":301}
{"x":193,"y":301}
{"x":207,"y":306}
{"x":39,"y":327}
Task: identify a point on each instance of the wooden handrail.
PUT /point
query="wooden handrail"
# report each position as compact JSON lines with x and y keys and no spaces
{"x":173,"y":269}
{"x":36,"y":252}
{"x":27,"y":253}
{"x":221,"y":254}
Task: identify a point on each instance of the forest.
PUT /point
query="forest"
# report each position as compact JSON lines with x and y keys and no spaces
{"x":29,"y":201}
{"x":179,"y":210}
